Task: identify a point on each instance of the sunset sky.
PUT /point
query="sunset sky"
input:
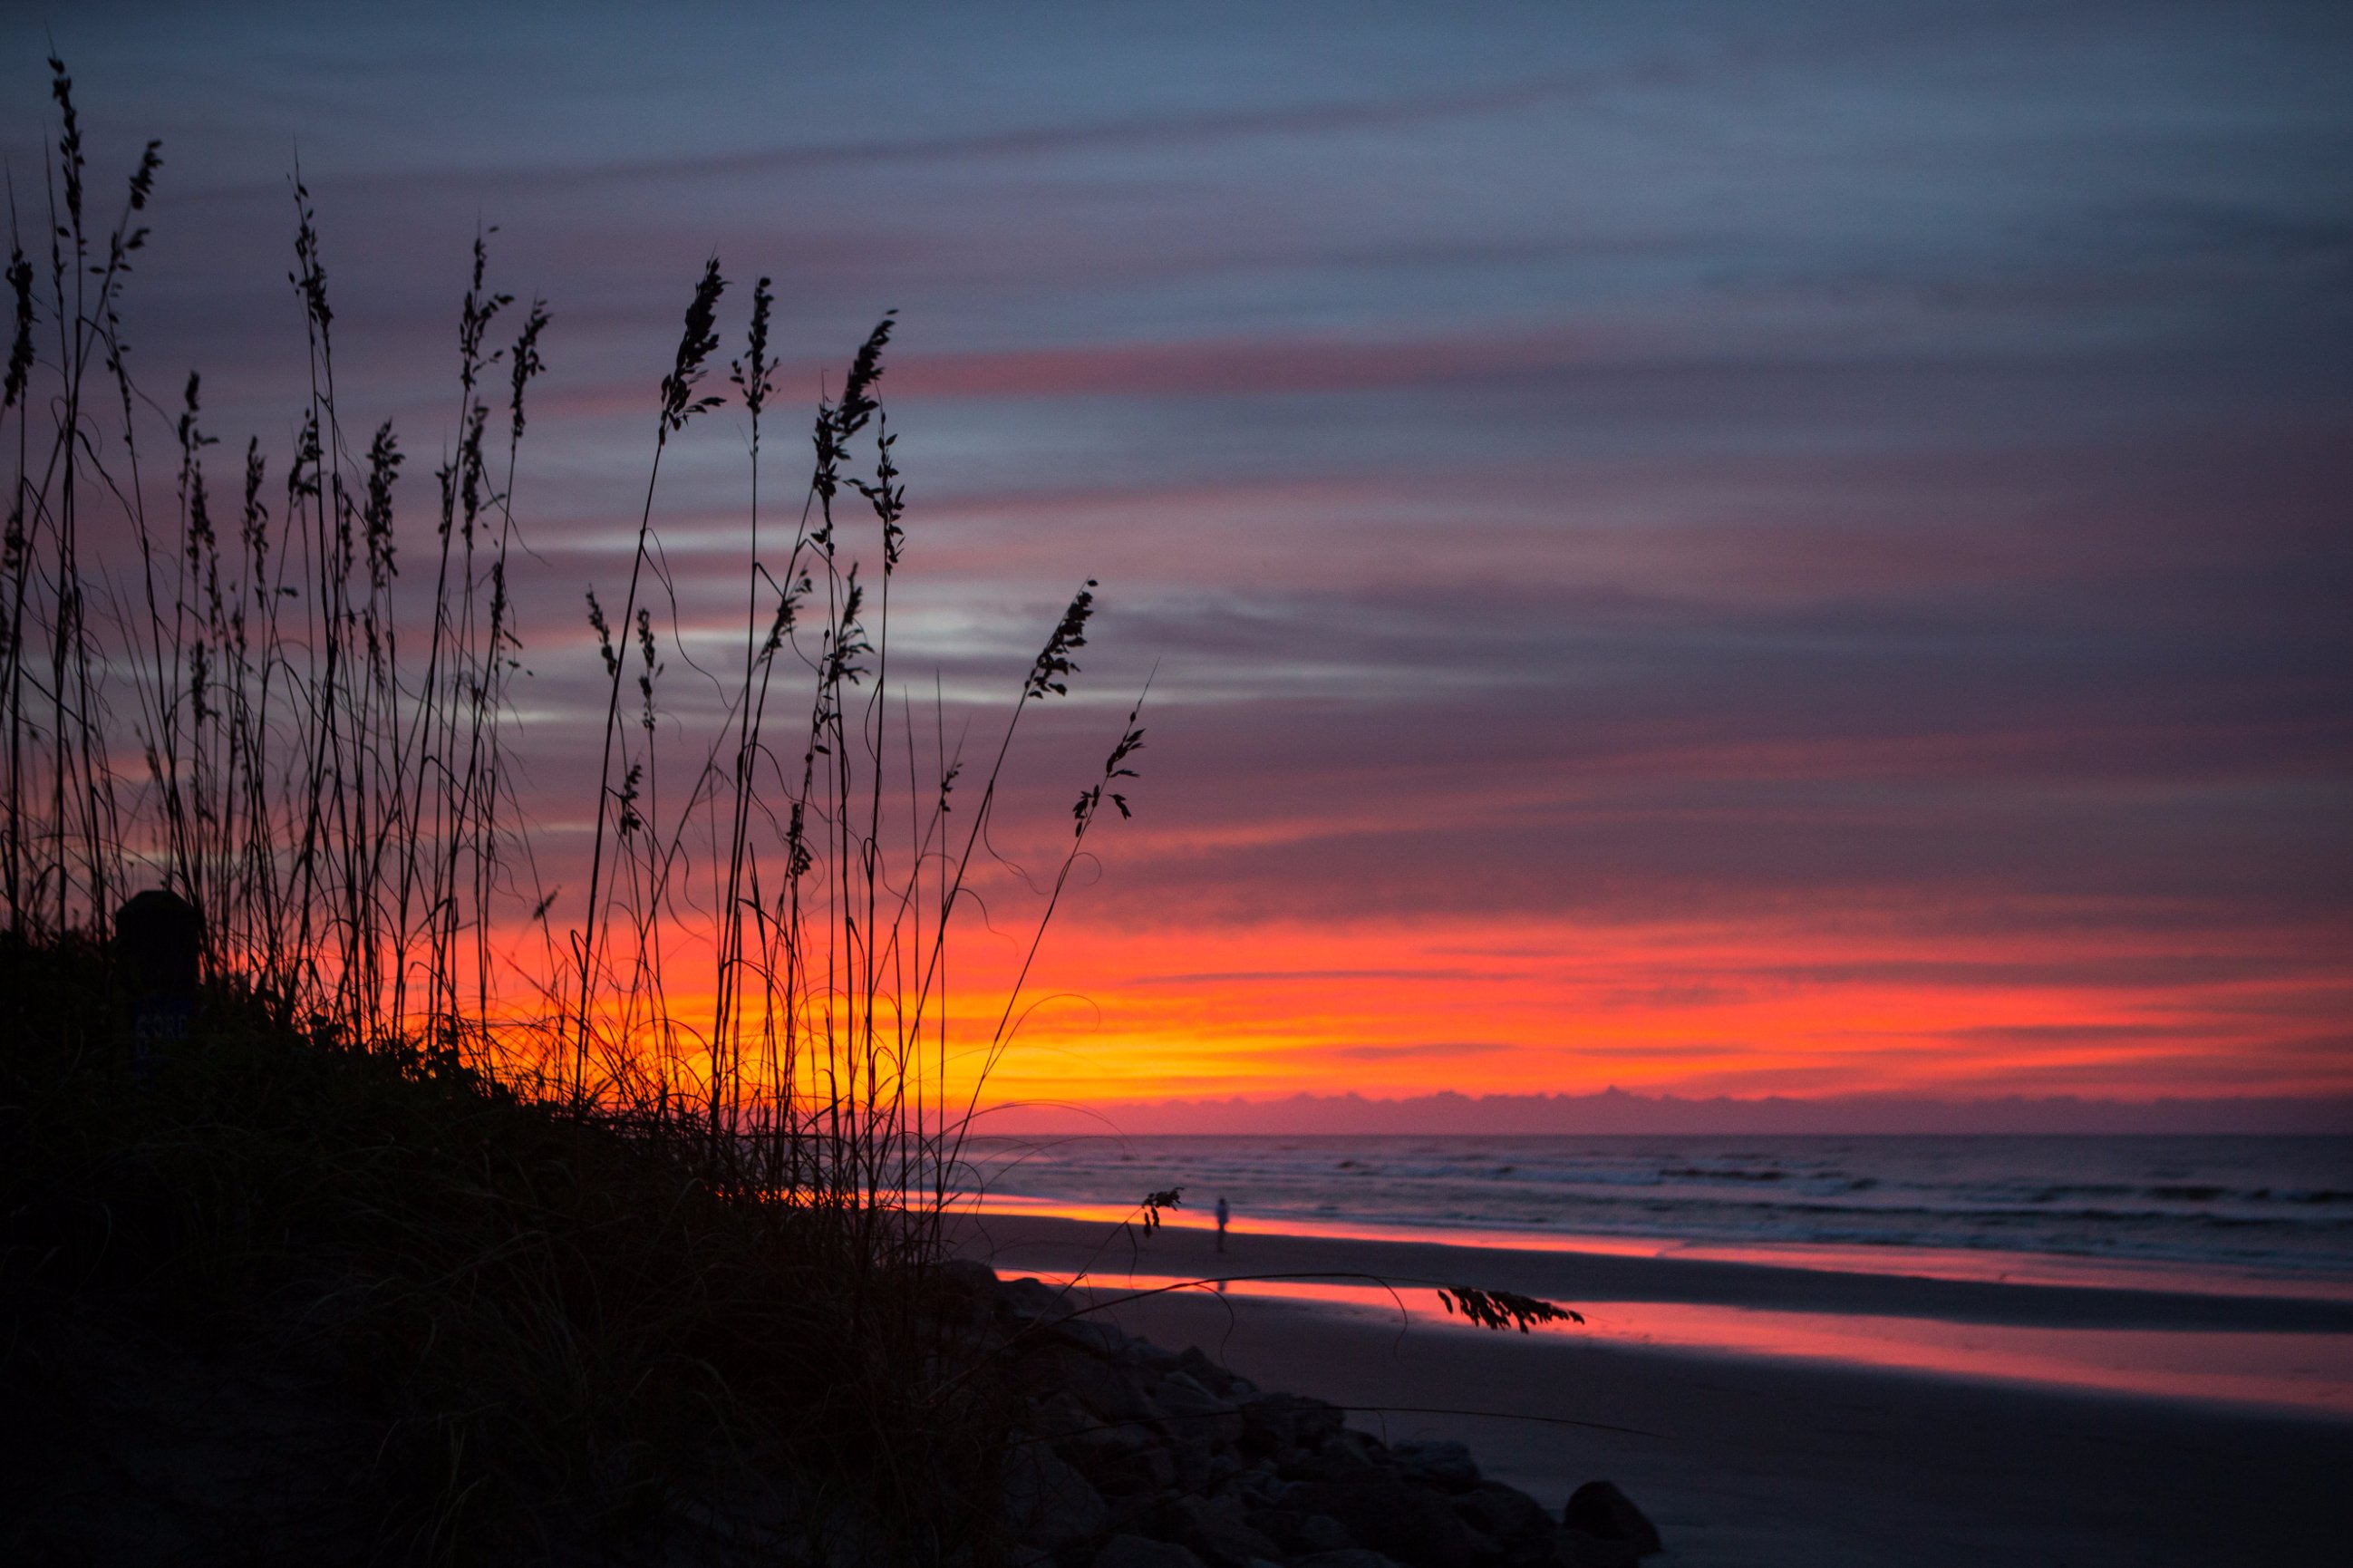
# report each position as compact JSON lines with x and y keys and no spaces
{"x":1712,"y":548}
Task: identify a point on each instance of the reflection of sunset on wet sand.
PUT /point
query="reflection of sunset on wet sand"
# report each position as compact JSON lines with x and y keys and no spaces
{"x":2286,"y":1371}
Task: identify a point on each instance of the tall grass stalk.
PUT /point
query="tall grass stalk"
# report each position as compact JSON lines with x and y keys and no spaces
{"x":326,"y":755}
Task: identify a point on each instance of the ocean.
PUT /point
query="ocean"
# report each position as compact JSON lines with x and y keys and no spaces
{"x":2243,"y":1207}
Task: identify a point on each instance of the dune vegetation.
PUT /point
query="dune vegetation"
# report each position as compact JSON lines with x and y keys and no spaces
{"x":515,"y":1246}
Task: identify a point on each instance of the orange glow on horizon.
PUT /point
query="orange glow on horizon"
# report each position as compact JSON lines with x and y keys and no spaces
{"x":1395,"y":1009}
{"x":1391,"y":1008}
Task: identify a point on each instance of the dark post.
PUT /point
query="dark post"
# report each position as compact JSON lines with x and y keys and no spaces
{"x":159,"y":939}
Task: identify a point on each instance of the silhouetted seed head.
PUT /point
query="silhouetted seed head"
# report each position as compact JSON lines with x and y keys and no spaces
{"x":524,"y":362}
{"x":787,"y":605}
{"x":752,"y":373}
{"x":798,"y":857}
{"x":1054,"y":660}
{"x":645,"y":676}
{"x":1504,"y":1309}
{"x":309,"y":274}
{"x":603,"y":635}
{"x":885,"y":495}
{"x":20,"y":348}
{"x":256,"y":527}
{"x":847,"y":643}
{"x":695,"y":346}
{"x":302,"y":473}
{"x":858,"y":404}
{"x":475,"y":316}
{"x":70,"y":160}
{"x":375,"y":511}
{"x":193,"y":441}
{"x":142,"y":183}
{"x":1131,"y":742}
{"x":502,"y":629}
{"x":630,"y":820}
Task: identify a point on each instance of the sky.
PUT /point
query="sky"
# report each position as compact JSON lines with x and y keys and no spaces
{"x":1711,"y":548}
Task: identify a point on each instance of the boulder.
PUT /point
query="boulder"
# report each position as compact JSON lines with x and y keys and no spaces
{"x":1576,"y":1549}
{"x":1259,"y":1488}
{"x":1195,"y":1363}
{"x":1111,"y":1391}
{"x":1145,"y":1353}
{"x":1507,"y":1516}
{"x":1121,"y":1459}
{"x":1601,"y":1511}
{"x":1189,"y":1408}
{"x":1137,"y":1552}
{"x":1301,"y":1533}
{"x":1277,"y":1423}
{"x":967,"y":1293}
{"x":1346,"y":1455}
{"x":1106,"y":1340}
{"x":1416,"y":1526}
{"x":1027,"y":1300}
{"x":1049,"y":1503}
{"x":1441,"y":1463}
{"x":968,"y":1277}
{"x":1057,"y":1415}
{"x":1216,"y":1531}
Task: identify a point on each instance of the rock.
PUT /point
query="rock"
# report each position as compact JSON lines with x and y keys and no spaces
{"x":1145,"y":1353}
{"x":1136,"y":1551}
{"x":1121,"y":1459}
{"x":1058,"y":1417}
{"x":1105,"y":1340}
{"x":1348,"y":1557}
{"x":1416,"y":1526}
{"x":967,"y":1290}
{"x":1300,"y":1533}
{"x":1443,"y":1464}
{"x":1601,"y":1511}
{"x":1111,"y":1391}
{"x":1027,"y":1300}
{"x":1197,"y":1365}
{"x":1275,"y":1423}
{"x":1189,"y":1407}
{"x":968,"y":1277}
{"x":1576,"y":1549}
{"x":1217,"y":1532}
{"x":1049,"y":1503}
{"x":1322,"y":1532}
{"x":1344,"y":1456}
{"x":1363,"y":1445}
{"x":1260,"y":1488}
{"x":1522,"y":1526}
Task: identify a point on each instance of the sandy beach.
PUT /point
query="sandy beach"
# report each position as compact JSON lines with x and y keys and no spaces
{"x":1772,"y":1415}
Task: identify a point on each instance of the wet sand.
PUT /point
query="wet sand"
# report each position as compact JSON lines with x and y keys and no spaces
{"x":1789,"y":1415}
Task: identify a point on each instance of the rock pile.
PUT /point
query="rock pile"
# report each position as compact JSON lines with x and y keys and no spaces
{"x":1140,"y":1457}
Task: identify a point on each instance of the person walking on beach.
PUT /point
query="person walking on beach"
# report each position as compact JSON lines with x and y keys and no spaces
{"x":1225,"y":1217}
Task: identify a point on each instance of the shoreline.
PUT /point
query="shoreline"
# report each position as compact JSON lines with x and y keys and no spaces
{"x":1958,"y":1265}
{"x":1749,"y":1457}
{"x":1032,"y":1243}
